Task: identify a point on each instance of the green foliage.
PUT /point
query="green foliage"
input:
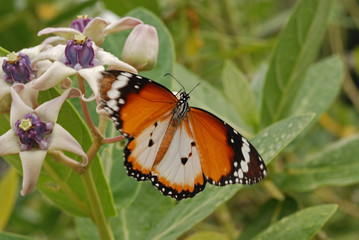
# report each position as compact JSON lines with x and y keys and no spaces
{"x":9,"y":187}
{"x":303,"y":224}
{"x":237,"y":89}
{"x":295,"y":50}
{"x":337,"y":164}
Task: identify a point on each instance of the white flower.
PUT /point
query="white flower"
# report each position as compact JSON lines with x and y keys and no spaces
{"x":16,"y":68}
{"x":96,"y":29}
{"x":35,"y":132}
{"x":80,"y":56}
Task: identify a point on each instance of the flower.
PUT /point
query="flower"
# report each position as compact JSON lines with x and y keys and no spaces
{"x":96,"y":29}
{"x":80,"y":56}
{"x":35,"y":132}
{"x":79,"y":52}
{"x":141,"y":47}
{"x":16,"y":68}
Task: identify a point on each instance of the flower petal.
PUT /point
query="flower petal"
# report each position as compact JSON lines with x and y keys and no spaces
{"x":64,"y":32}
{"x":60,"y":139}
{"x":122,"y":24}
{"x":95,"y":30}
{"x":92,"y":75}
{"x":34,"y":51}
{"x":54,"y":40}
{"x":9,"y":143}
{"x":42,"y":66}
{"x":18,"y":107}
{"x":4,"y":89}
{"x":31,"y":166}
{"x":49,"y":111}
{"x":113,"y":62}
{"x":55,"y":74}
{"x":56,"y":53}
{"x":29,"y":95}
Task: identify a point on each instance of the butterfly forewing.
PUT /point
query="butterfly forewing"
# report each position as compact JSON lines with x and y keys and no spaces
{"x":134,"y":102}
{"x":177,"y":154}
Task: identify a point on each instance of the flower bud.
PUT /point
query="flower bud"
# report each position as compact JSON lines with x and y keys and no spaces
{"x":79,"y":52}
{"x":141,"y":47}
{"x":17,"y":68}
{"x":80,"y":23}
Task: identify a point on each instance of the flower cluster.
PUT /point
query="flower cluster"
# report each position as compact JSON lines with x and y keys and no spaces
{"x":72,"y":52}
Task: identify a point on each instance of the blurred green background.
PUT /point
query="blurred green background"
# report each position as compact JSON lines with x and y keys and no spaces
{"x":206,"y":33}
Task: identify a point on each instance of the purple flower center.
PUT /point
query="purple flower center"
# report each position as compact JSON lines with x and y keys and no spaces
{"x":32,"y":132}
{"x":17,"y":68}
{"x":79,"y":52}
{"x":80,"y":23}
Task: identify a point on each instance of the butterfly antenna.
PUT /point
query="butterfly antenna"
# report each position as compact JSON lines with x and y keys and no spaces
{"x":194,"y":87}
{"x":169,"y":74}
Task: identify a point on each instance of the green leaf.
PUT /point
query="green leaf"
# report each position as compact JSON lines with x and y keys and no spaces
{"x":271,"y":210}
{"x":201,"y":235}
{"x":59,"y":183}
{"x":123,"y":6}
{"x":146,"y":211}
{"x":187,"y":213}
{"x":337,"y":165}
{"x":134,"y":221}
{"x":166,"y":56}
{"x":11,"y":236}
{"x":301,"y":225}
{"x":257,"y":84}
{"x":296,"y":48}
{"x":321,"y":84}
{"x":86,"y":229}
{"x":237,"y":89}
{"x":9,"y":187}
{"x":124,"y":188}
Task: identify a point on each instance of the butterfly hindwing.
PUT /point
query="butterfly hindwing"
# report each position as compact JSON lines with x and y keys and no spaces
{"x":140,"y":152}
{"x":179,"y":173}
{"x":226,"y":156}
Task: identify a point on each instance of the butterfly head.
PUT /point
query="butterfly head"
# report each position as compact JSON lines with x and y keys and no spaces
{"x":182,"y":107}
{"x":184,"y":97}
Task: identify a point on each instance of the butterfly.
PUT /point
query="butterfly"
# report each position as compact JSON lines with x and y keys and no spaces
{"x":177,"y":147}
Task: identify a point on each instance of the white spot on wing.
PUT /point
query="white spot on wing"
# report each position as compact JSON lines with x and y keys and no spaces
{"x":244,"y":166}
{"x":121,"y":82}
{"x":113,"y":94}
{"x":240,"y":173}
{"x":127,"y":74}
{"x":245,"y":152}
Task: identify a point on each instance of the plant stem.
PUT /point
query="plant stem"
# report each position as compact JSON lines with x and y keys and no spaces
{"x":96,"y":207}
{"x":98,"y":215}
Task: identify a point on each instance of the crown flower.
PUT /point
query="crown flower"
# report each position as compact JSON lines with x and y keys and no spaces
{"x":80,"y":56}
{"x":16,"y":68}
{"x":34,"y":132}
{"x":95,"y":28}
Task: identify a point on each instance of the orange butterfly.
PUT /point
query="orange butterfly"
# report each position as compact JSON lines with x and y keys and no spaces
{"x":177,"y":147}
